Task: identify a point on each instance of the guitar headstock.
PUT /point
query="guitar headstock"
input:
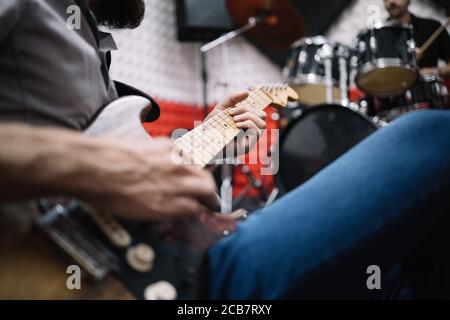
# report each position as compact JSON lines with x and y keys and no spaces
{"x":280,"y":94}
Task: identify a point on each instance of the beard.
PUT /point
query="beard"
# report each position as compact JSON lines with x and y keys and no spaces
{"x":395,"y":12}
{"x":119,"y":14}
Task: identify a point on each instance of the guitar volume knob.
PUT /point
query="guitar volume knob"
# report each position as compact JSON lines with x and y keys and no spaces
{"x":161,"y":290}
{"x":141,"y":257}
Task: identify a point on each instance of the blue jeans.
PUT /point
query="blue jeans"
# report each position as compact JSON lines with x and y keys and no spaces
{"x":385,"y":203}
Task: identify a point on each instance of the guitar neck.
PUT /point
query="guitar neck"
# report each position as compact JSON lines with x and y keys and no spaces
{"x":202,"y":144}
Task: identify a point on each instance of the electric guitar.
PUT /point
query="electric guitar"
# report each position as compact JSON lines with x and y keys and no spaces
{"x":125,"y":259}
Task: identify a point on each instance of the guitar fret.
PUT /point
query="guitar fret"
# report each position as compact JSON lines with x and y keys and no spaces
{"x":218,"y":124}
{"x":207,"y":151}
{"x":229,"y":120}
{"x":204,"y":150}
{"x":260,"y":101}
{"x":265,"y":98}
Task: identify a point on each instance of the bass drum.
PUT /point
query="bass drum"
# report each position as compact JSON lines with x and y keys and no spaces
{"x":317,"y":138}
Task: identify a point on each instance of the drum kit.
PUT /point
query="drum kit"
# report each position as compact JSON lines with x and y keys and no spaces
{"x":346,"y":92}
{"x":327,"y":121}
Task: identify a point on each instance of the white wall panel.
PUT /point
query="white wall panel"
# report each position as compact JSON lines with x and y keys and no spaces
{"x":152,"y":59}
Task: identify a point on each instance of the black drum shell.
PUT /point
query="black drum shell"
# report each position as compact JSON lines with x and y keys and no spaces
{"x":305,"y":70}
{"x":312,"y":66}
{"x":317,"y":138}
{"x":387,"y":64}
{"x":391,"y":42}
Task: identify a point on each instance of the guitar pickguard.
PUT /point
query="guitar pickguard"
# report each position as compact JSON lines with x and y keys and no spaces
{"x":178,"y":246}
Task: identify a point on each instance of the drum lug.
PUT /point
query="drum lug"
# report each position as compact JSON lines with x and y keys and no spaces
{"x":411,"y":46}
{"x":373,"y":44}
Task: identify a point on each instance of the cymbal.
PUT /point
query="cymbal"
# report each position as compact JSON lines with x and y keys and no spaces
{"x":283,"y":24}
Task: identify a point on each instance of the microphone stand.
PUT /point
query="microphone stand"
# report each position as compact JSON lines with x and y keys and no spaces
{"x":226,"y":190}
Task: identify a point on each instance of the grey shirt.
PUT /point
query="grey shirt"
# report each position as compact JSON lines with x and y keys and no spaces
{"x":49,"y":74}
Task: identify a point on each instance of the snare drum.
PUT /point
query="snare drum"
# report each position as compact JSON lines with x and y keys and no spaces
{"x":387,"y":60}
{"x":315,"y":65}
{"x":315,"y":139}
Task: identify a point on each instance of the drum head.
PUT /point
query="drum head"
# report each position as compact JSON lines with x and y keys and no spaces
{"x":312,"y":94}
{"x":314,"y":140}
{"x":386,"y":80}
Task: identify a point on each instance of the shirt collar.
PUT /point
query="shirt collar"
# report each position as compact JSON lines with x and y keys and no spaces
{"x":106,"y":42}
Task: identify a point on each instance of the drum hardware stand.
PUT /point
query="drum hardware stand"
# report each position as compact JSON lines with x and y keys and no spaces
{"x":272,"y":197}
{"x":226,"y":189}
{"x":380,"y":122}
{"x":257,"y":184}
{"x":328,"y":56}
{"x":252,"y":23}
{"x":343,"y":85}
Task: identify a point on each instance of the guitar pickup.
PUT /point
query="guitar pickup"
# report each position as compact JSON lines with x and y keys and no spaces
{"x":70,"y":233}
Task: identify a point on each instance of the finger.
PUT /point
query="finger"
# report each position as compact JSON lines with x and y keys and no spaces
{"x":250,"y":125}
{"x":237,"y":110}
{"x":244,"y":109}
{"x":233,"y":100}
{"x":183,"y":206}
{"x":192,"y":177}
{"x":260,"y":123}
{"x":261,"y":114}
{"x":202,"y":189}
{"x":209,"y":200}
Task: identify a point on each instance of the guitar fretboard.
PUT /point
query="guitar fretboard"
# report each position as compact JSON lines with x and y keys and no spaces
{"x":202,"y":144}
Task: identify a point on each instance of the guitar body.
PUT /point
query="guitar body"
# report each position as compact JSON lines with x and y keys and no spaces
{"x":34,"y":266}
{"x":123,"y":259}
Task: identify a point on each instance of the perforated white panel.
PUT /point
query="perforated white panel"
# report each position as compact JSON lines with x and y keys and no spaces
{"x":152,"y":59}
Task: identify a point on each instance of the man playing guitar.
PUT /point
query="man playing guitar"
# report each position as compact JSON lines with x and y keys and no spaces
{"x":383,"y":203}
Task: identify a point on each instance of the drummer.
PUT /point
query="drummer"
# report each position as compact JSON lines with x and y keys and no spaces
{"x":423,"y":28}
